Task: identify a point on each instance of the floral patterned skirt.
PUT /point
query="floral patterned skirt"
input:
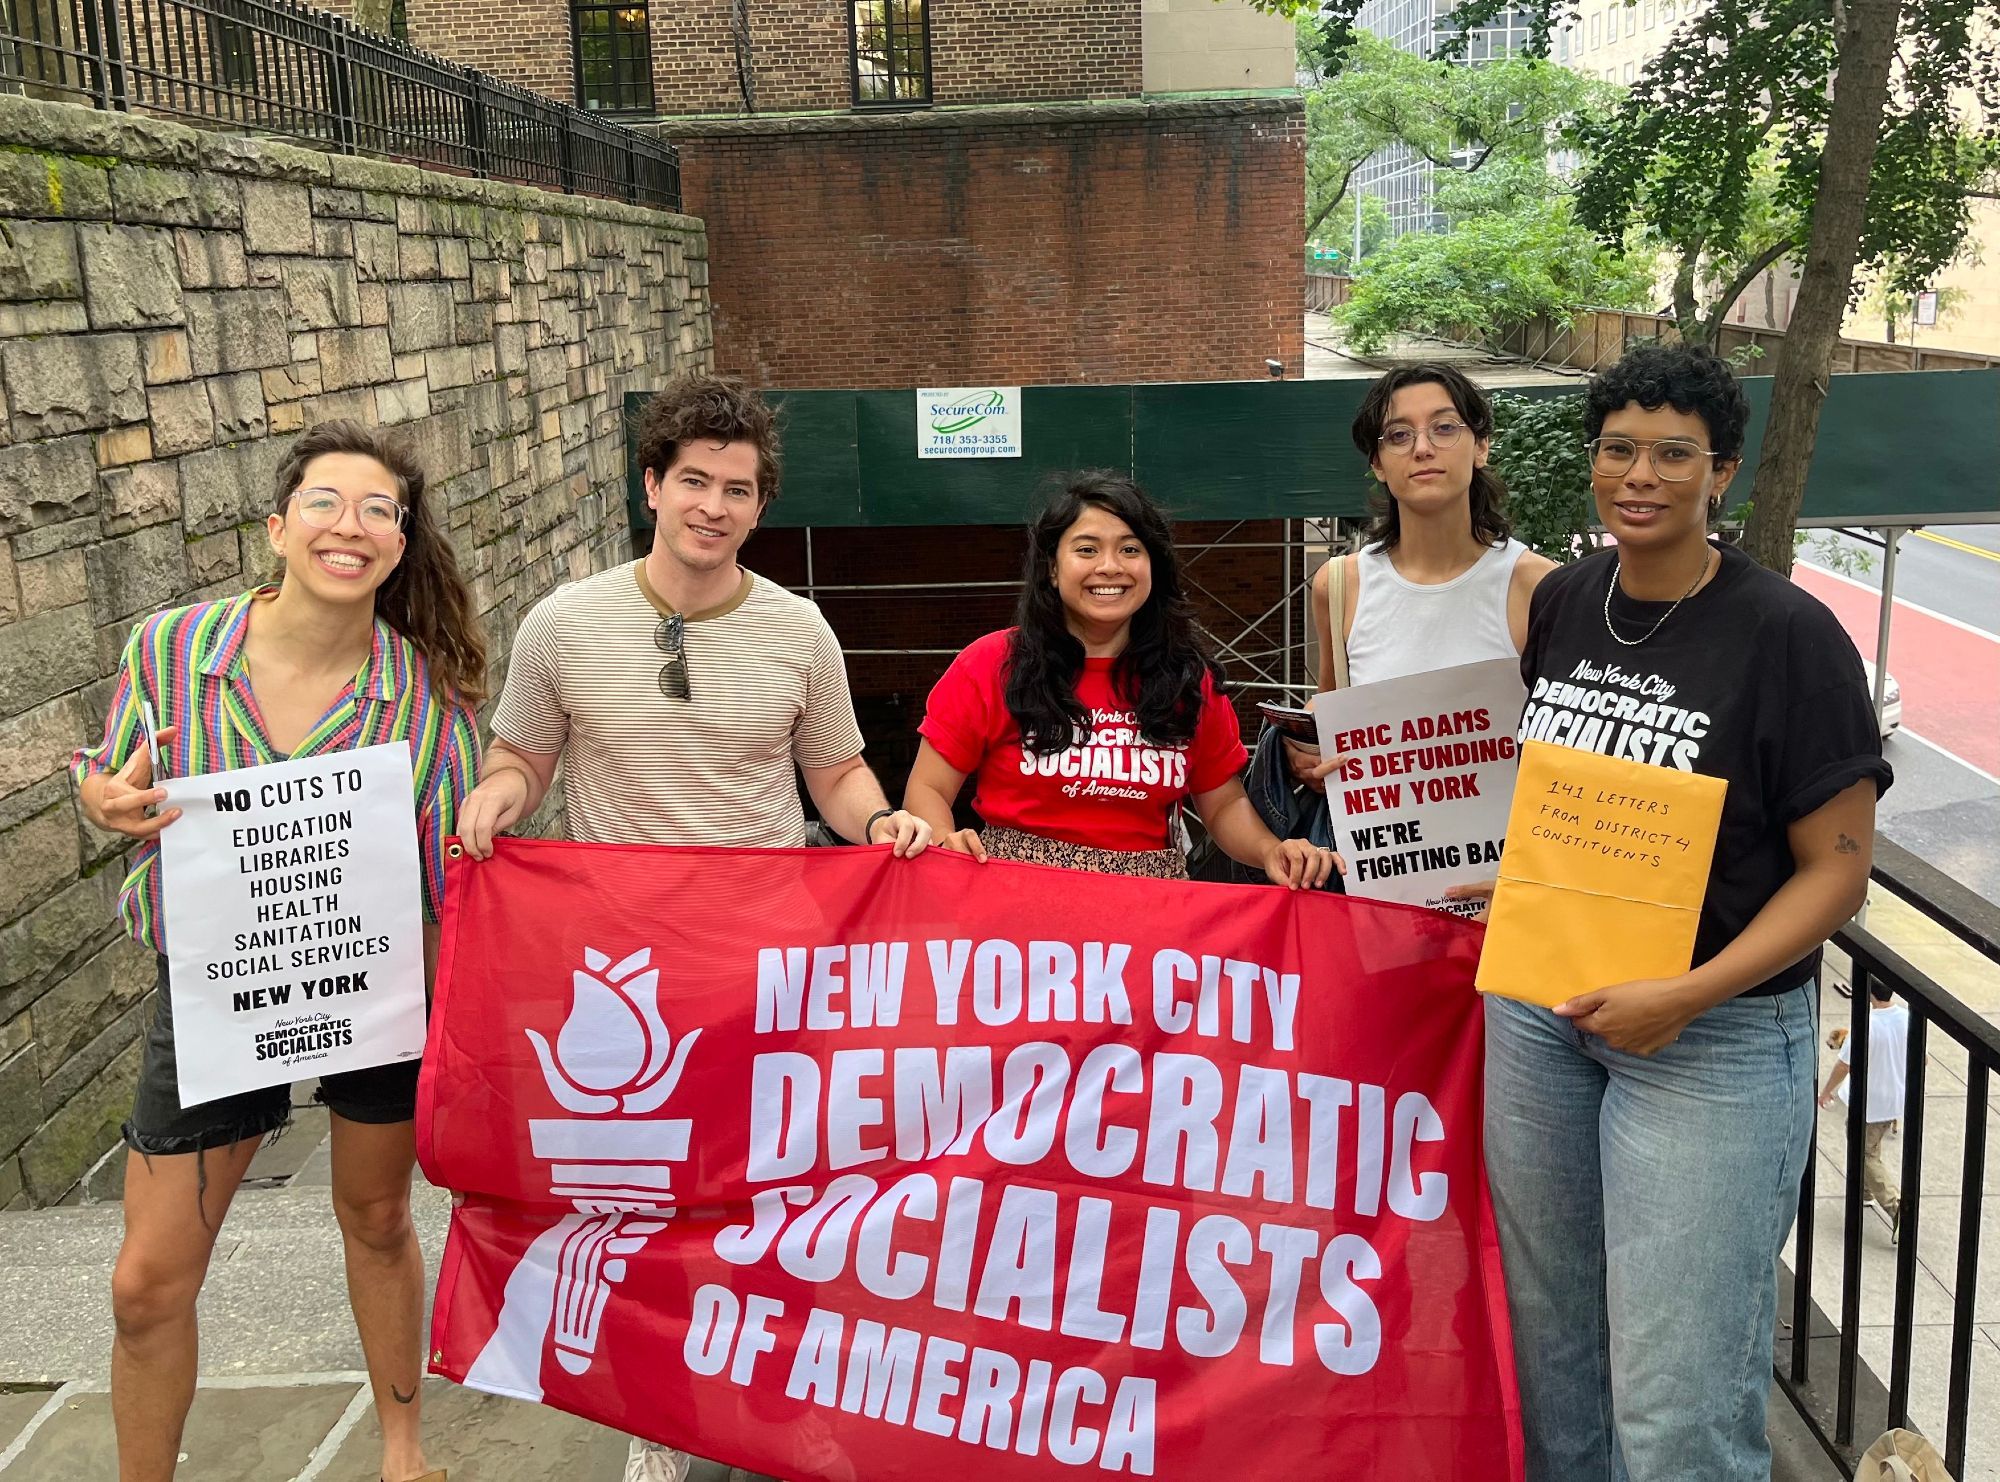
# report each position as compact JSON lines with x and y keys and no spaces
{"x":1153,"y":864}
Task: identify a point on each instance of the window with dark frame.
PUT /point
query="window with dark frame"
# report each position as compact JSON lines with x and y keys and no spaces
{"x":614,"y":57}
{"x":892,"y":53}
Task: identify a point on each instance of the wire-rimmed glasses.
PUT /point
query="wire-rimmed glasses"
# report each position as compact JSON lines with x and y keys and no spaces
{"x":1675,"y":459}
{"x":380,"y":515}
{"x":1443,"y":433}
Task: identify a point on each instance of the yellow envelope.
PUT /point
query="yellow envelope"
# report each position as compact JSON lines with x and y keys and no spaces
{"x":1602,"y":876}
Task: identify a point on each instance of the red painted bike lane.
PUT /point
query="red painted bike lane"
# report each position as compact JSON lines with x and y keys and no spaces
{"x":1950,"y":676}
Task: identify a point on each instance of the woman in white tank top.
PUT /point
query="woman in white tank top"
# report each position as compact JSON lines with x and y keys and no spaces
{"x":1440,"y":582}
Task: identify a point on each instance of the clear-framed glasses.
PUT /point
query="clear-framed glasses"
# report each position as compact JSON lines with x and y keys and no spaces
{"x":1443,"y":433}
{"x":381,"y":516}
{"x":1675,"y":459}
{"x":671,"y":639}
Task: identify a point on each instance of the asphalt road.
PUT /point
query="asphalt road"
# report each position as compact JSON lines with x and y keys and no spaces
{"x":1950,"y":569}
{"x":1944,"y":650}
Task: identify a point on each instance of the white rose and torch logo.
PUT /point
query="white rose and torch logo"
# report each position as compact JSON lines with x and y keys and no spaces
{"x":613,"y":1065}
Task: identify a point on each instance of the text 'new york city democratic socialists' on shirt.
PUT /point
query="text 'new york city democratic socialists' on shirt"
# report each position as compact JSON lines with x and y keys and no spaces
{"x":1112,"y":790}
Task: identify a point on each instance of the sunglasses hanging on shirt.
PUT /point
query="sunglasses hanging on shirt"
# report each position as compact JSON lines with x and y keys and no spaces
{"x":671,"y":638}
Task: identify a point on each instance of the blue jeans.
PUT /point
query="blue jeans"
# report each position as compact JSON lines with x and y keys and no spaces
{"x":1642,"y":1204}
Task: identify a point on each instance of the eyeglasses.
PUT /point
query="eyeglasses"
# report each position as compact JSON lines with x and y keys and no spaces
{"x":1675,"y":459}
{"x":669,"y":638}
{"x":1442,"y":435}
{"x":381,"y":516}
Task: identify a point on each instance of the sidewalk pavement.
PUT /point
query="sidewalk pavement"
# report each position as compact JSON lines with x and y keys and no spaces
{"x":283,"y":1395}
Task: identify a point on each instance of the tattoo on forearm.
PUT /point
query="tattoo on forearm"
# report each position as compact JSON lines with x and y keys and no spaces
{"x":401,"y":1398}
{"x":1845,"y":845}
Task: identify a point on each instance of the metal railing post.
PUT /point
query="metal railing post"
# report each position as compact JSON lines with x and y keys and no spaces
{"x":566,"y":155}
{"x":1909,"y":1212}
{"x":107,"y":50}
{"x":344,"y":120}
{"x":475,"y":125}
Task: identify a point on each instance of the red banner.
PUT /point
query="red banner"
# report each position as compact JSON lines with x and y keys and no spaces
{"x":843,"y":1167}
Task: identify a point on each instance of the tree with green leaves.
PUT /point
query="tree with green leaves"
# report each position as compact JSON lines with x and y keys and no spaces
{"x":1720,"y":165}
{"x":1875,"y":116}
{"x":1488,"y":273}
{"x":1488,"y":129}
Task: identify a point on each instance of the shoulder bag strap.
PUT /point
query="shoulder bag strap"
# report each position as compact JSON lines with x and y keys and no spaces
{"x":1336,"y":625}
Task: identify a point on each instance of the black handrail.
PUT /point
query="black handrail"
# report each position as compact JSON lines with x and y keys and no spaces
{"x":282,"y":68}
{"x":1972,"y":919}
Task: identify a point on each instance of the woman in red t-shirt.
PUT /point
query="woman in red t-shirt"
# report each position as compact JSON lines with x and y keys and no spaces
{"x":1094,"y":717}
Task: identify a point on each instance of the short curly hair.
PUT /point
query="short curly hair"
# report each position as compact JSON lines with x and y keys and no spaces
{"x":713,"y":409}
{"x":1689,"y":378}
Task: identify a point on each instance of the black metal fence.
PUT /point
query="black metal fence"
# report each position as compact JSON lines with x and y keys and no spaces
{"x":1860,"y":1407}
{"x":276,"y":67}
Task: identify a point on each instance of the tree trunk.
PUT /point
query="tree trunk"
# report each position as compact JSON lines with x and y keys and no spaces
{"x":372,"y":15}
{"x":1805,"y":359}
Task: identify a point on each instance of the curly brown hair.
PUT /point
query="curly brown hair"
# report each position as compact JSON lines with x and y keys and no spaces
{"x":714,"y":409}
{"x":425,"y":599}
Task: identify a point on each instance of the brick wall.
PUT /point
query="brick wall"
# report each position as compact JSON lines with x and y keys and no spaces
{"x":174,"y":308}
{"x":519,"y":41}
{"x":1025,"y":51}
{"x":1116,"y":243}
{"x":1119,"y":242}
{"x":799,"y":54}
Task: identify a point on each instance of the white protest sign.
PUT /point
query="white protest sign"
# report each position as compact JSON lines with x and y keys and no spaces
{"x":1421,"y":803}
{"x":294,"y":920}
{"x":969,"y":422}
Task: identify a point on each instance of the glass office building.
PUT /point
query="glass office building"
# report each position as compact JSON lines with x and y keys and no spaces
{"x":1398,"y":177}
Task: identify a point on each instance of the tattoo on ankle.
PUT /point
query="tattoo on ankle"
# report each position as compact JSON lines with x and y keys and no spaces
{"x":401,"y":1398}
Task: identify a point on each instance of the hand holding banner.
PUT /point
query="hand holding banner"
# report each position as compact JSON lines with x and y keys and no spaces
{"x":1603,"y":876}
{"x":835,"y":1165}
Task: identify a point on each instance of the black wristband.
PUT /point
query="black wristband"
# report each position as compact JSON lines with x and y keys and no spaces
{"x":868,"y":828}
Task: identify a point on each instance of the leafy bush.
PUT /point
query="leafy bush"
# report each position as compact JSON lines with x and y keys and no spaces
{"x":1486,"y":274}
{"x":1538,"y":449}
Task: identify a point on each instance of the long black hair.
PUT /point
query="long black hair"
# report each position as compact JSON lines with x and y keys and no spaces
{"x":1490,"y":525}
{"x":1159,"y":674}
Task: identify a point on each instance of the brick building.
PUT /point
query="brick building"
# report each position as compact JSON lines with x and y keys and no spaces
{"x":904,"y":193}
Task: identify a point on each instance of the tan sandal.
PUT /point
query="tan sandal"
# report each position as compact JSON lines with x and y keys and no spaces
{"x":436,"y":1476}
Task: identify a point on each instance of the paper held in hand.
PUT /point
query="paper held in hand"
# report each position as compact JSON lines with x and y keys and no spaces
{"x":294,"y":920}
{"x":1603,"y":876}
{"x":1421,"y":804}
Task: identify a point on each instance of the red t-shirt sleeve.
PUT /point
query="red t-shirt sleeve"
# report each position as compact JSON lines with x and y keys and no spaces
{"x":959,"y":717}
{"x":1217,"y":754}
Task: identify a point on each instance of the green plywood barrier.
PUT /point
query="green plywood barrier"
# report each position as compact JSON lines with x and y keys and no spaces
{"x":1895,"y":448}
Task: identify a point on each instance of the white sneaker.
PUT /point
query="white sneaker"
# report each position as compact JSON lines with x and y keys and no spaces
{"x":648,"y":1461}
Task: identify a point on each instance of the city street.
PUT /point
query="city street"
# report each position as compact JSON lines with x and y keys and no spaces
{"x":1944,"y":651}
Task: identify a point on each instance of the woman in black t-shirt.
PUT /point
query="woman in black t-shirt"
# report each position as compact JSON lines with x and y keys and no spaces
{"x":1645,"y":1140}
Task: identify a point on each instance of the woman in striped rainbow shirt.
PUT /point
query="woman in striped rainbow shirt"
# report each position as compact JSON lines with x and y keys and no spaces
{"x":368,"y":637}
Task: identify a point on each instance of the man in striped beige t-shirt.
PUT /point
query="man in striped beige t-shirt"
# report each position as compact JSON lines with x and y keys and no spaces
{"x":680,"y":691}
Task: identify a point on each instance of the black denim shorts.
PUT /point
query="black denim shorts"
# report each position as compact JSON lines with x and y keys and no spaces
{"x":159,"y":1124}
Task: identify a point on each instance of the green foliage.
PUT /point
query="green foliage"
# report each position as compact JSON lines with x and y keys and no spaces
{"x":1715,"y":153}
{"x":1538,"y":451}
{"x":1487,"y":274}
{"x":1488,"y":129}
{"x":1337,"y":231}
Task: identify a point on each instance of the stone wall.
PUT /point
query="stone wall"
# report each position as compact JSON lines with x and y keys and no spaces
{"x":174,"y":308}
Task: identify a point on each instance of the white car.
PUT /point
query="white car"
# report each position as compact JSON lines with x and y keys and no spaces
{"x":1892,"y":700}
